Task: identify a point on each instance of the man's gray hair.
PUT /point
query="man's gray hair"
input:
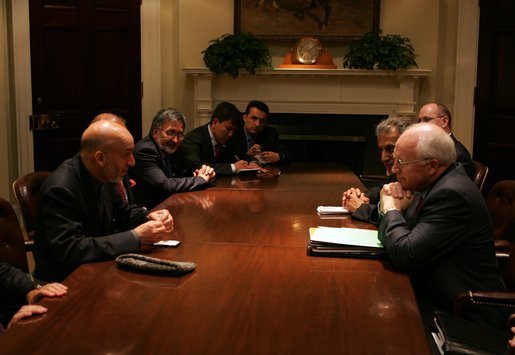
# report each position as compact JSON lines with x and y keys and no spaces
{"x":436,"y":144}
{"x":166,"y":115}
{"x":397,"y":122}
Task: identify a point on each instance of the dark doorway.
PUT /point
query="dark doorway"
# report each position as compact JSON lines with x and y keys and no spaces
{"x":85,"y":59}
{"x":494,"y":132}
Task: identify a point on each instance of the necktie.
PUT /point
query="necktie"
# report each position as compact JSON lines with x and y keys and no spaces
{"x":217,"y":152}
{"x":121,"y":191}
{"x":250,"y":143}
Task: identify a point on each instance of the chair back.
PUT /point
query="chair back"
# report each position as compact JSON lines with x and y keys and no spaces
{"x":480,"y":174}
{"x":501,"y":204}
{"x":12,"y":245}
{"x":26,"y":190}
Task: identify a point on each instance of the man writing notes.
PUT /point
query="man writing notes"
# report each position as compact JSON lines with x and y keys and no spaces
{"x":207,"y":144}
{"x":82,"y":217}
{"x":160,"y":166}
{"x":257,"y":140}
{"x":435,"y":224}
{"x":440,"y":115}
{"x":363,"y":205}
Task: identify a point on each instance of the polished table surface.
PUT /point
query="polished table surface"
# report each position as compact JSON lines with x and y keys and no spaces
{"x":255,"y":289}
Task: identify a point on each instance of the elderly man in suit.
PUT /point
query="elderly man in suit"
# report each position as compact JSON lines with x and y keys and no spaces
{"x":209,"y":144}
{"x":160,"y":167}
{"x":81,"y":215}
{"x":435,"y":224}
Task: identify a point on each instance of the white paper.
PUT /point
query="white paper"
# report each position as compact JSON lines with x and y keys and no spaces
{"x":331,"y":210}
{"x":346,"y":236}
{"x":168,"y":243}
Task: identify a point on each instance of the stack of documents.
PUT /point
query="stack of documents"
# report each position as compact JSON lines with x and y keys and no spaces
{"x":348,"y":242}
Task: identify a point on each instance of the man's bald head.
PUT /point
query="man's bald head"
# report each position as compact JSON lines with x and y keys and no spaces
{"x":106,"y":150}
{"x":111,"y":117}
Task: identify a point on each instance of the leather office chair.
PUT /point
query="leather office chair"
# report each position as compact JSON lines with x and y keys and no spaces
{"x":480,"y":174}
{"x":501,"y":204}
{"x":26,"y":190}
{"x":12,"y":248}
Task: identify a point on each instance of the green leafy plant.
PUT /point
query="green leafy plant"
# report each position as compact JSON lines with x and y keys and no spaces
{"x":374,"y":51}
{"x":230,"y":53}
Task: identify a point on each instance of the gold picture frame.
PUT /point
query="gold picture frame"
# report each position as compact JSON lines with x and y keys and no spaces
{"x":334,"y":20}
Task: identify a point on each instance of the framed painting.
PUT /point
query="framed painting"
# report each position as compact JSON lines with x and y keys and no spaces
{"x":336,"y":20}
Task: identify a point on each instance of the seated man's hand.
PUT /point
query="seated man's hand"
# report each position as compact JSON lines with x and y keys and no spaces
{"x":241,"y":164}
{"x":255,"y":149}
{"x":27,"y":311}
{"x":394,"y":196}
{"x":254,"y":165}
{"x":270,"y":157}
{"x":353,"y":198}
{"x":206,"y":172}
{"x":164,"y":217}
{"x":49,"y":290}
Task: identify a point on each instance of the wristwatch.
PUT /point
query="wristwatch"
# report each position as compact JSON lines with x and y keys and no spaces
{"x":307,"y":50}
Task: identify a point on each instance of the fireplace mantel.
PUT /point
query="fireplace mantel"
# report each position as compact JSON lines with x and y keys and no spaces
{"x":333,"y":91}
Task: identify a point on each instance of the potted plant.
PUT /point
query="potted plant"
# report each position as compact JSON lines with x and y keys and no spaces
{"x":373,"y":51}
{"x":231,"y":53}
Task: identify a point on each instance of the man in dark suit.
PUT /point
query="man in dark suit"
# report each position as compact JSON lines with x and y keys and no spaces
{"x":256,"y":140}
{"x":208,"y":144}
{"x":18,"y":288}
{"x":82,"y":217}
{"x":160,"y":167}
{"x":363,"y":205}
{"x":435,"y":224}
{"x":438,"y":114}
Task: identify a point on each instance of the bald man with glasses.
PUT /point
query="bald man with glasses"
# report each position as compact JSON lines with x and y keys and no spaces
{"x":435,"y":225}
{"x":439,"y":115}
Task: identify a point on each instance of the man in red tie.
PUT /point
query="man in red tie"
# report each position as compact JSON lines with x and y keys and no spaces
{"x":208,"y":144}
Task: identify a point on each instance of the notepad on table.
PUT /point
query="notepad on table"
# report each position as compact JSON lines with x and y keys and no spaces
{"x":325,"y":210}
{"x":347,"y":242}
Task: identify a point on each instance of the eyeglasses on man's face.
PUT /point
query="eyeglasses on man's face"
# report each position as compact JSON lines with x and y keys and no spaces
{"x":427,"y":119}
{"x":172,"y":134}
{"x":402,"y":164}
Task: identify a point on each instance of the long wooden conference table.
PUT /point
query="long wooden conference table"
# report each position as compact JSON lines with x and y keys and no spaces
{"x":255,"y":289}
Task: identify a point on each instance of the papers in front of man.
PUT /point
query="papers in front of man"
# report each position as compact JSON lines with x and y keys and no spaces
{"x":331,"y":210}
{"x":346,"y":242}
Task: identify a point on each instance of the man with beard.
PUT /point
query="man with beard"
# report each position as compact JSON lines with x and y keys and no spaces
{"x":82,"y":217}
{"x":160,"y":167}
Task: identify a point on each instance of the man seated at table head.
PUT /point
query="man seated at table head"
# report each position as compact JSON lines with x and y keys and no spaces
{"x":435,"y":224}
{"x":257,"y":140}
{"x":438,"y":114}
{"x":208,"y":144}
{"x":160,"y":167}
{"x":362,"y":204}
{"x":18,"y":288}
{"x":82,"y":217}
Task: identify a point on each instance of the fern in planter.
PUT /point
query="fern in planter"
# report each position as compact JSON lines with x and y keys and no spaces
{"x":230,"y":53}
{"x":373,"y":51}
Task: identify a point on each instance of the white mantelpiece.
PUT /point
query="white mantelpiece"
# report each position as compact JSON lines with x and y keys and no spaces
{"x":331,"y":91}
